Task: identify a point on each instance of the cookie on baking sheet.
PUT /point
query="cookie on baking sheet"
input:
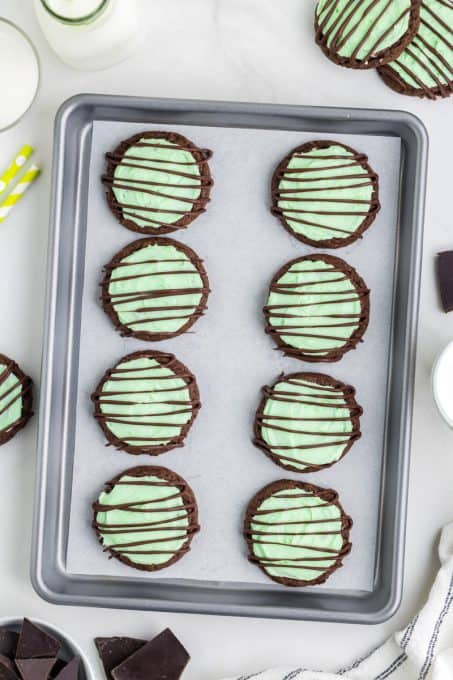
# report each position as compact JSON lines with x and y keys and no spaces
{"x":146,"y":517}
{"x":157,"y":182}
{"x":365,"y":34}
{"x":297,"y":533}
{"x":16,"y":398}
{"x":325,"y":194}
{"x":425,"y":67}
{"x":155,"y":289}
{"x":147,"y":403}
{"x":307,"y":421}
{"x":318,"y":308}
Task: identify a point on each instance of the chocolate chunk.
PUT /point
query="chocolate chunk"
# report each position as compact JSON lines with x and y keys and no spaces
{"x":70,"y":670}
{"x":58,"y":667}
{"x":164,"y":658}
{"x":7,"y":669}
{"x":445,"y":274}
{"x":35,"y":643}
{"x":114,"y":650}
{"x":35,"y":669}
{"x":8,"y":642}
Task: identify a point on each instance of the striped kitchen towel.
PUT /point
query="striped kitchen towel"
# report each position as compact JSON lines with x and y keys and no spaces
{"x":422,"y":651}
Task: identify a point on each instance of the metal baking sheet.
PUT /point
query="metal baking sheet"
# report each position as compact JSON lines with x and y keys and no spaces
{"x":219,"y":460}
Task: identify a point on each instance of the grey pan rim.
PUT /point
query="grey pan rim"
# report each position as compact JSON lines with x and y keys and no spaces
{"x":50,"y":580}
{"x":66,"y":640}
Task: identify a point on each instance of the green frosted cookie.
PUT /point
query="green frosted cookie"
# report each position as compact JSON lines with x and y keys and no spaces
{"x":307,"y":421}
{"x":365,"y":33}
{"x":146,"y":518}
{"x":147,"y":403}
{"x":425,"y":67}
{"x":325,"y":194}
{"x":297,"y":533}
{"x":155,"y":289}
{"x":157,"y":182}
{"x":317,"y":308}
{"x":15,"y":399}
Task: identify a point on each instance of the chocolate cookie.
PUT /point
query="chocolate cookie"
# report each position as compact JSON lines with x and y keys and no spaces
{"x":297,"y":533}
{"x":146,"y":518}
{"x":365,"y":33}
{"x":155,"y":289}
{"x":318,"y":308}
{"x":147,"y":403}
{"x":307,"y":421}
{"x":15,"y":399}
{"x":157,"y":182}
{"x":325,"y":194}
{"x":425,"y":67}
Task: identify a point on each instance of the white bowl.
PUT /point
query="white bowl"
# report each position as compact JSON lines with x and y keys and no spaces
{"x":442,"y":383}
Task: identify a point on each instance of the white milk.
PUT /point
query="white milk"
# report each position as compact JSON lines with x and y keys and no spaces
{"x":20,"y":74}
{"x":443,"y":383}
{"x":90,"y":34}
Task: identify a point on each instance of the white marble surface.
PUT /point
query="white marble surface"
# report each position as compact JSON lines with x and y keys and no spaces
{"x":247,"y":50}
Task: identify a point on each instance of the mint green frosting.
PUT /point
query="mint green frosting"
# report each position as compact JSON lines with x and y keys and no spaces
{"x":151,"y":275}
{"x":317,"y":417}
{"x":366,"y":26}
{"x":294,"y":541}
{"x":171,"y":202}
{"x":144,"y":500}
{"x":428,"y":60}
{"x":324,"y":296}
{"x":344,"y":181}
{"x":10,"y":399}
{"x":156,"y":403}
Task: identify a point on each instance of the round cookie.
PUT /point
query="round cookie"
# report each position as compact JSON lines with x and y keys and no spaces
{"x":147,"y":403}
{"x":15,"y":399}
{"x":157,"y":182}
{"x":297,"y":533}
{"x":307,"y":421}
{"x":146,"y":517}
{"x":425,"y":67}
{"x":325,"y":194}
{"x":317,"y":309}
{"x":365,"y":34}
{"x":155,"y":289}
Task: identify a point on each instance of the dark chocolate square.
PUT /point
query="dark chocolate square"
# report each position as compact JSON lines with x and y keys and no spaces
{"x":445,"y":275}
{"x":35,"y":669}
{"x":164,"y":658}
{"x":114,"y":650}
{"x":35,"y":643}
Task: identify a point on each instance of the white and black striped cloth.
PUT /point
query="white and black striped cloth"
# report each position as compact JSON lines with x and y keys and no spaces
{"x":422,"y":651}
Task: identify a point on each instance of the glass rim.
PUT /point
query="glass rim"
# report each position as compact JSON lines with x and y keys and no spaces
{"x":78,"y":20}
{"x":38,"y":64}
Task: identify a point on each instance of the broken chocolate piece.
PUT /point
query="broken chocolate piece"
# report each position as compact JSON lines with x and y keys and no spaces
{"x":70,"y":670}
{"x":36,"y":643}
{"x":114,"y":650}
{"x":445,"y":274}
{"x":8,"y":642}
{"x":164,"y":658}
{"x":7,"y":669}
{"x":35,"y":669}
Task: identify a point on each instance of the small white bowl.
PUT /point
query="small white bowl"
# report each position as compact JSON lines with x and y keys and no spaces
{"x":442,"y":383}
{"x":69,"y":647}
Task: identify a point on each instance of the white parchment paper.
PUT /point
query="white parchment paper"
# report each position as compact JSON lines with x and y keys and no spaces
{"x":242,"y":245}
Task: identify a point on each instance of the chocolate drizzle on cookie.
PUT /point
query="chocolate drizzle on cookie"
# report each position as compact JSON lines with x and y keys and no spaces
{"x":155,"y":289}
{"x":340,"y":32}
{"x":325,"y":194}
{"x":153,"y":524}
{"x":157,"y":182}
{"x":317,"y":309}
{"x":147,"y":403}
{"x":297,"y":533}
{"x":425,"y":67}
{"x":15,"y":398}
{"x":307,"y":421}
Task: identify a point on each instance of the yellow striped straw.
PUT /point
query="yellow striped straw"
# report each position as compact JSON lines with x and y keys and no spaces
{"x":16,"y":194}
{"x":15,"y":167}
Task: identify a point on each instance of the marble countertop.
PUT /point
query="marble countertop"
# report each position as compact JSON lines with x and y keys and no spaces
{"x":243,"y":50}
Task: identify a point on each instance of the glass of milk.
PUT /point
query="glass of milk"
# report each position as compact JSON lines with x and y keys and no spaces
{"x":442,"y":380}
{"x":90,"y":34}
